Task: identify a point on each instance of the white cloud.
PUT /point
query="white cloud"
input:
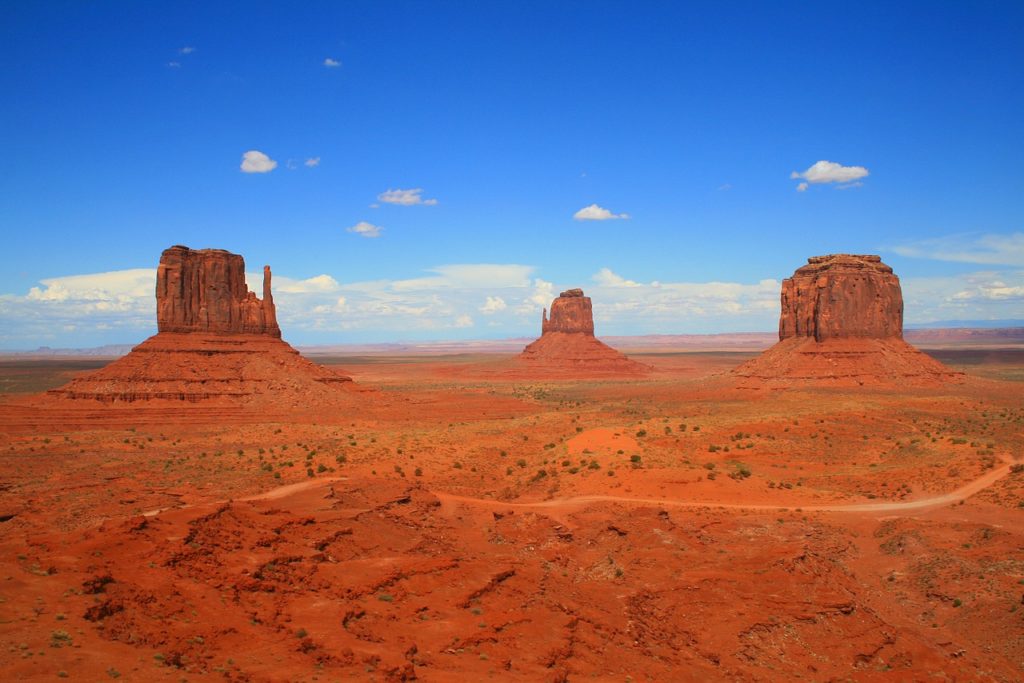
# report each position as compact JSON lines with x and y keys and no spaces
{"x":116,"y":287}
{"x":989,"y":249}
{"x":187,"y":50}
{"x":981,"y":295}
{"x":366,"y":229}
{"x":405,"y":197}
{"x":311,"y":162}
{"x":174,"y":65}
{"x":441,"y":304}
{"x":493,"y":305}
{"x":255,"y":161}
{"x":597,"y":213}
{"x":607,"y":278}
{"x":319,"y":283}
{"x":823,"y":172}
{"x":331,"y":63}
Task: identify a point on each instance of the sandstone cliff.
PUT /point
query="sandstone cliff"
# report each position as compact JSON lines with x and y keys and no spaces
{"x":216,"y":342}
{"x":842,"y":296}
{"x":204,"y":290}
{"x":841,"y":323}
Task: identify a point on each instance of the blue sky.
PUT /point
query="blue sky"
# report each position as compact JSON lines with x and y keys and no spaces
{"x":682,"y":124}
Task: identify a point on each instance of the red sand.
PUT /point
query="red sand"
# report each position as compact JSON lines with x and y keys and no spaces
{"x":450,"y":524}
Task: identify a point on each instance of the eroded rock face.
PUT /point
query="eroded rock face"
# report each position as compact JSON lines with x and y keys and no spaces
{"x":842,"y":296}
{"x":570,"y":312}
{"x":204,"y":290}
{"x":216,"y":342}
{"x":842,"y":324}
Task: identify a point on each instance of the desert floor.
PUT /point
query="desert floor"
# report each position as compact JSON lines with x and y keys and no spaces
{"x":456,"y":522}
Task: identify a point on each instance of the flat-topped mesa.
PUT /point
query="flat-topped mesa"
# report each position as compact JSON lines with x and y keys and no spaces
{"x":204,"y":290}
{"x":842,"y":324}
{"x":842,"y":296}
{"x":571,"y":312}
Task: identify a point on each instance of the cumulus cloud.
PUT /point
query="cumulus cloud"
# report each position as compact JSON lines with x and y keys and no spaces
{"x":311,"y":162}
{"x":824,"y":172}
{"x":597,"y":213}
{"x":463,"y":321}
{"x":366,"y":229}
{"x":493,"y":305}
{"x":989,"y":249}
{"x":607,"y":278}
{"x":318,"y":284}
{"x":255,"y":161}
{"x":331,"y":63}
{"x":405,"y":197}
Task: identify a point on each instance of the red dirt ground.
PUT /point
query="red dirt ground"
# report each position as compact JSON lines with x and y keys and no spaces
{"x":449,"y":523}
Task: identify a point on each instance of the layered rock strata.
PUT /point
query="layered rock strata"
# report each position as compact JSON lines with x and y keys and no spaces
{"x":567,"y":344}
{"x":842,"y":323}
{"x":216,"y":340}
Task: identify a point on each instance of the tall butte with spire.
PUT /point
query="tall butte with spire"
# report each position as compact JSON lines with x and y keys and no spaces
{"x":842,"y":323}
{"x":215,"y":340}
{"x":567,"y":345}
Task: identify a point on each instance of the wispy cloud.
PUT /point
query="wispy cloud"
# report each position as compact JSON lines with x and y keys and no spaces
{"x":174,"y":65}
{"x":826,"y":172}
{"x":365,"y":229}
{"x":332,"y":63}
{"x":405,"y":197}
{"x":187,"y":50}
{"x":311,"y":162}
{"x":597,"y":213}
{"x":991,"y":248}
{"x":255,"y":161}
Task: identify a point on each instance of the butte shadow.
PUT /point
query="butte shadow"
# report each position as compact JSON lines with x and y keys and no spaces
{"x":568,"y":348}
{"x":216,"y":341}
{"x":842,"y":325}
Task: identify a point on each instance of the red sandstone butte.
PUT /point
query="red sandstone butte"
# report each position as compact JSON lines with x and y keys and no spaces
{"x":215,"y":340}
{"x":204,"y":290}
{"x":841,"y":296}
{"x":567,"y":344}
{"x":842,"y":322}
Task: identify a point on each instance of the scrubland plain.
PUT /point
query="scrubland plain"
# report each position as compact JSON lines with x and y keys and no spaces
{"x":451,"y":519}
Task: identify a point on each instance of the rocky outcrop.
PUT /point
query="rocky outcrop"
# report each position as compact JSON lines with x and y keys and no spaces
{"x":842,"y":324}
{"x":567,"y":345}
{"x":216,"y":342}
{"x":571,"y":312}
{"x":842,"y":296}
{"x":204,"y":290}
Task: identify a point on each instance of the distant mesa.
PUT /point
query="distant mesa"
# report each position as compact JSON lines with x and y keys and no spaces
{"x":842,"y":323}
{"x":567,"y":344}
{"x":215,"y":340}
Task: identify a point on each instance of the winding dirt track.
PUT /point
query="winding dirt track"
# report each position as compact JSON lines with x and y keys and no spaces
{"x":956,"y":496}
{"x":959,"y":494}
